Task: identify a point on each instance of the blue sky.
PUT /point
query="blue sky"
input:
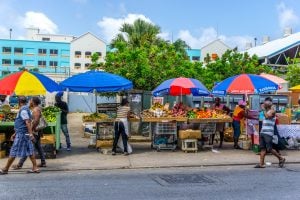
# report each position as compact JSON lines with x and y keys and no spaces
{"x":195,"y":21}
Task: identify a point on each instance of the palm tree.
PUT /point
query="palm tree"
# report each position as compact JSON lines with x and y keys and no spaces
{"x":181,"y":46}
{"x":137,"y":34}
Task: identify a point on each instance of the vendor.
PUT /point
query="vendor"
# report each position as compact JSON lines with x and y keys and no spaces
{"x":3,"y":100}
{"x":220,"y":126}
{"x":239,"y":114}
{"x":297,"y":114}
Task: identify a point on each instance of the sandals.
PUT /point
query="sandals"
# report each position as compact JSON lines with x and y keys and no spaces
{"x":37,"y":171}
{"x":3,"y":172}
{"x":16,"y":167}
{"x":259,"y":166}
{"x":281,"y":162}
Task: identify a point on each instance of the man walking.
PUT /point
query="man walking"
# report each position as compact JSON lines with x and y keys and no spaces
{"x":64,"y":122}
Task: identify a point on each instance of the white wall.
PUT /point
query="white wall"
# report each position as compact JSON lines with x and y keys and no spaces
{"x":86,"y":42}
{"x":34,"y":34}
{"x":217,"y":47}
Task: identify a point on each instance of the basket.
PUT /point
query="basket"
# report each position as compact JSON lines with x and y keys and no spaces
{"x":189,"y":134}
{"x":245,"y":144}
{"x":48,"y":139}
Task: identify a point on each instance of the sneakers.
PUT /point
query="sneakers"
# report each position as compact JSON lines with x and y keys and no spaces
{"x":68,"y":148}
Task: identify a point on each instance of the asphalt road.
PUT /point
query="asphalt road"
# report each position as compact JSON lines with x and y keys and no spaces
{"x":234,"y":183}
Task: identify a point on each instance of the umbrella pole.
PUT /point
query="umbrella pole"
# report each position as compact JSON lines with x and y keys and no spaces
{"x":95,"y":93}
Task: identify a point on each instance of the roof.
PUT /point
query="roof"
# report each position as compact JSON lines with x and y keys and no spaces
{"x":88,"y":33}
{"x":276,"y":46}
{"x":216,"y":40}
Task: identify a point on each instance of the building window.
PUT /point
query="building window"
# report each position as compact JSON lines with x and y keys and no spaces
{"x":42,"y":51}
{"x":88,"y":54}
{"x":53,"y":63}
{"x":53,"y":52}
{"x":42,"y":63}
{"x":18,"y":50}
{"x":6,"y":62}
{"x":77,"y":65}
{"x":99,"y":53}
{"x":87,"y":65}
{"x":77,"y":54}
{"x":45,"y":39}
{"x":6,"y":50}
{"x":18,"y":62}
{"x":196,"y":58}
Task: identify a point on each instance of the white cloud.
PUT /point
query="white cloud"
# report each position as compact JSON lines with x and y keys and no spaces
{"x":165,"y":35}
{"x":287,"y":16}
{"x":110,"y":26}
{"x":209,"y":34}
{"x":38,"y":20}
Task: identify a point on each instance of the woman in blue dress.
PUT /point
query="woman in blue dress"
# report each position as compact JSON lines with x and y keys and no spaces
{"x":23,"y":137}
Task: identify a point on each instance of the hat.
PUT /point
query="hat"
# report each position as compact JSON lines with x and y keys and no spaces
{"x":242,"y":103}
{"x":59,"y":94}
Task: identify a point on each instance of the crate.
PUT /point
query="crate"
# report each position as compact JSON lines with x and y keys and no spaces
{"x":189,"y":134}
{"x":164,"y":135}
{"x":189,"y":145}
{"x":207,"y":128}
{"x":105,"y":130}
{"x":104,"y":144}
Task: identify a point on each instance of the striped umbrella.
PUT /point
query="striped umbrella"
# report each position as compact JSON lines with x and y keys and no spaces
{"x":27,"y":83}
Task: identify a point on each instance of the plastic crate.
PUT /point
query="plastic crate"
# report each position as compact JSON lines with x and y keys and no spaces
{"x":104,"y":130}
{"x":208,"y":128}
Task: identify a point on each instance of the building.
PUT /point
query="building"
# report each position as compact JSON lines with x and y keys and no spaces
{"x":214,"y":49}
{"x":81,"y":50}
{"x":276,"y":53}
{"x":34,"y":34}
{"x":46,"y":57}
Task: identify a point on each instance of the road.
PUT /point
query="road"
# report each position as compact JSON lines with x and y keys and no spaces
{"x":234,"y":183}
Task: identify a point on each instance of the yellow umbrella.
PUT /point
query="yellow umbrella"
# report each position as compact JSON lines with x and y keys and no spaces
{"x":295,"y":88}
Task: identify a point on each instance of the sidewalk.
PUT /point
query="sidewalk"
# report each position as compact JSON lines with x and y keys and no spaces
{"x":83,"y":158}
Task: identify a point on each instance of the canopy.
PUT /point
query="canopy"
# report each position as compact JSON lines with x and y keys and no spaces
{"x":275,"y":79}
{"x":295,"y":88}
{"x":27,"y":83}
{"x":245,"y":84}
{"x":98,"y":81}
{"x":181,"y":86}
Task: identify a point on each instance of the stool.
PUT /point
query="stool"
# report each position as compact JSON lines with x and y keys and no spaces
{"x":189,"y":145}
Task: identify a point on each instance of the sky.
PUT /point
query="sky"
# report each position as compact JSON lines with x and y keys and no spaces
{"x":197,"y":22}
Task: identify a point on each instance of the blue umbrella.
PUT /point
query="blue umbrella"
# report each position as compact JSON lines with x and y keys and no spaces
{"x":181,"y":86}
{"x":245,"y":84}
{"x":98,"y":81}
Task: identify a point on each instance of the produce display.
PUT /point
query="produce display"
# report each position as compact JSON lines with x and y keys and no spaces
{"x":206,"y":113}
{"x":50,"y":113}
{"x":94,"y":117}
{"x":6,"y":114}
{"x":159,"y":110}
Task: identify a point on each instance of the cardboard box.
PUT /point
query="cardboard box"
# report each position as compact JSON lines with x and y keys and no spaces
{"x":2,"y":154}
{"x":104,"y":143}
{"x":2,"y":137}
{"x":48,"y":139}
{"x":189,"y":134}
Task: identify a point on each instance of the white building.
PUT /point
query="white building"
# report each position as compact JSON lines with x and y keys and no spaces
{"x":81,"y":50}
{"x":214,"y":49}
{"x":34,"y":34}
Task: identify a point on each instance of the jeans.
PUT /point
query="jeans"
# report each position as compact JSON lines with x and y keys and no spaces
{"x":64,"y":128}
{"x":39,"y":149}
{"x":120,"y":130}
{"x":236,"y":129}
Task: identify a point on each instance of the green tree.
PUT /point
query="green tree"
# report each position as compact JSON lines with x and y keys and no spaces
{"x":95,"y":62}
{"x":293,"y":73}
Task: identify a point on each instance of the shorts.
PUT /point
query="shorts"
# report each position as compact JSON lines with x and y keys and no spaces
{"x":265,"y":142}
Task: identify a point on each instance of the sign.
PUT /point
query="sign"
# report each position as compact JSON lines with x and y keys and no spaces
{"x":158,"y":100}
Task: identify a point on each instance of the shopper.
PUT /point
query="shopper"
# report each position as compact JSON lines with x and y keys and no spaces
{"x":3,"y":100}
{"x":239,"y":114}
{"x":220,"y":127}
{"x":23,"y":136}
{"x":36,"y":115}
{"x":297,"y":114}
{"x":64,"y":122}
{"x":266,"y":136}
{"x":121,"y":126}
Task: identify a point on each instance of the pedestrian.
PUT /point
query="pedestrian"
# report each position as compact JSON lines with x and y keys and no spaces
{"x":36,"y":116}
{"x":23,"y":136}
{"x":220,"y":126}
{"x":63,"y":120}
{"x":239,"y":114}
{"x":266,"y":136}
{"x":121,"y":126}
{"x":3,"y":100}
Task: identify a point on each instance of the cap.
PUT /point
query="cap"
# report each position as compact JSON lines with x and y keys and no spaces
{"x":242,"y":103}
{"x":59,"y":94}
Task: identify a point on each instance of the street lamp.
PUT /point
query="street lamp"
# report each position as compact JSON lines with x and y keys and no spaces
{"x":10,"y":30}
{"x":255,"y":39}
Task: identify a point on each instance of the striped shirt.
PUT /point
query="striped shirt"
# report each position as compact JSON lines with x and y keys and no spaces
{"x":122,"y":112}
{"x":268,"y":126}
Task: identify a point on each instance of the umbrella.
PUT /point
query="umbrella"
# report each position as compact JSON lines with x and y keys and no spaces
{"x":245,"y":84}
{"x":276,"y":79}
{"x":27,"y":83}
{"x":181,"y":86}
{"x":96,"y":81}
{"x":295,"y":88}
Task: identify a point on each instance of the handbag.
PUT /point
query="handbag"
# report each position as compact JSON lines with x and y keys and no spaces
{"x":42,"y":124}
